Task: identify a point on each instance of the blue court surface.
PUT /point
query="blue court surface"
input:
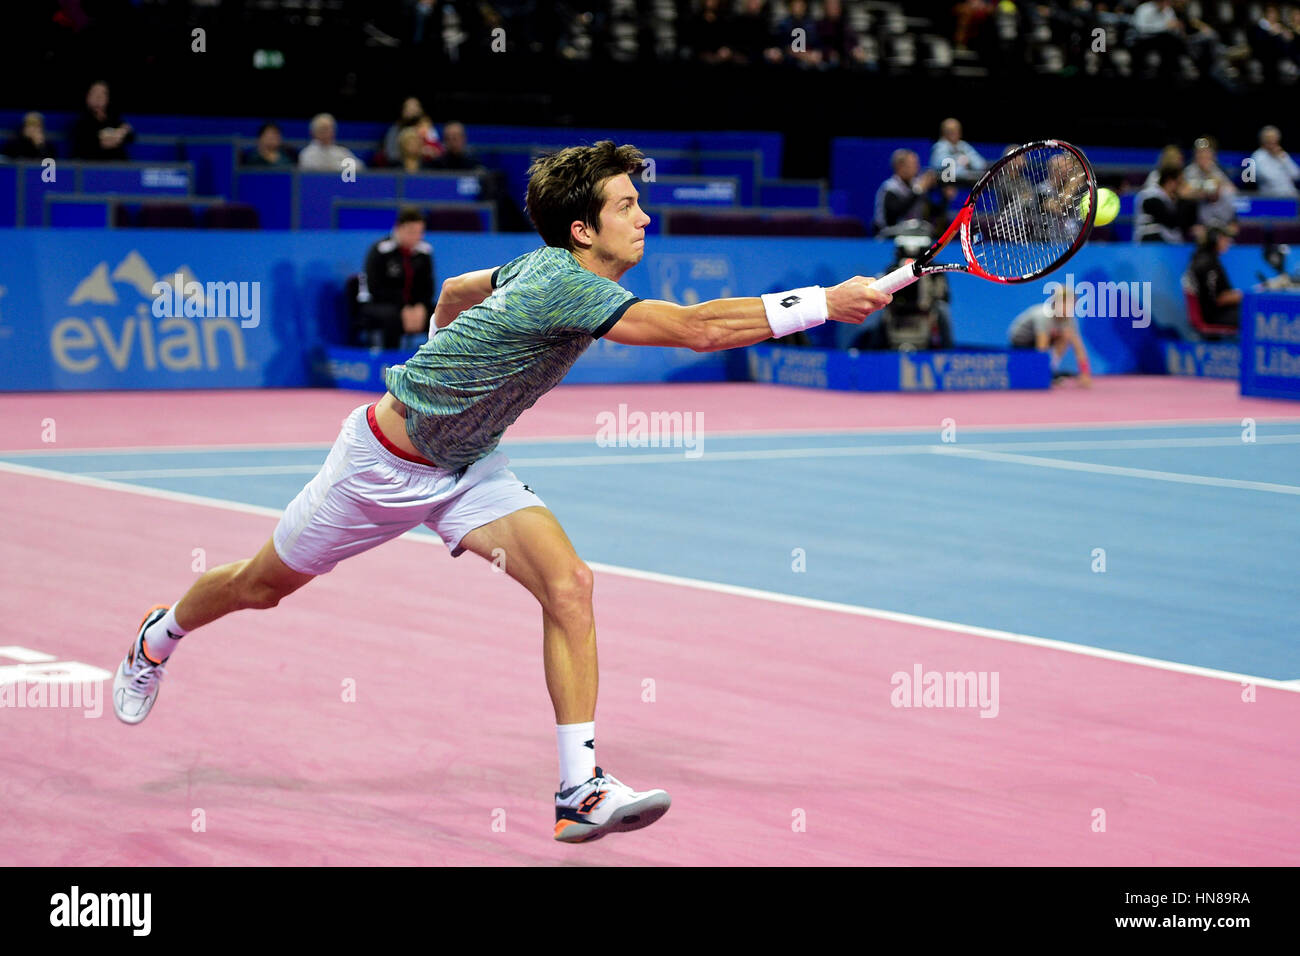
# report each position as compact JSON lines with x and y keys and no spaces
{"x":1176,"y":542}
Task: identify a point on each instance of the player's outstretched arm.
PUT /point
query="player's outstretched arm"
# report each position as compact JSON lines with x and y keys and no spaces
{"x":460,"y":293}
{"x":732,"y":323}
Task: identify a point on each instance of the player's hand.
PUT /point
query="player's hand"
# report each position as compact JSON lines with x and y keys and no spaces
{"x":854,"y":299}
{"x":1085,"y":381}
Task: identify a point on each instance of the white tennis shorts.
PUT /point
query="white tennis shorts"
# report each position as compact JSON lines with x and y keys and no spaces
{"x":366,"y":494}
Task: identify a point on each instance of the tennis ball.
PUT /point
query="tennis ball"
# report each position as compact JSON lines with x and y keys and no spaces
{"x":1107,"y":207}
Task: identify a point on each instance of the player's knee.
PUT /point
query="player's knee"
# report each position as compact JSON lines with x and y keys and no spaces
{"x":568,"y":590}
{"x":255,"y":591}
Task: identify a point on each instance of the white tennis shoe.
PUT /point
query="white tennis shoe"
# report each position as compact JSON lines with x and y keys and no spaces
{"x":602,"y":805}
{"x":135,"y":685}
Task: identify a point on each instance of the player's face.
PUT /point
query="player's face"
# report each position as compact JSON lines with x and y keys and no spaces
{"x":622,"y":223}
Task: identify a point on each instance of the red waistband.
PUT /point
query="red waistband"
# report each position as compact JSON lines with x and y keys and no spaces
{"x":384,"y":440}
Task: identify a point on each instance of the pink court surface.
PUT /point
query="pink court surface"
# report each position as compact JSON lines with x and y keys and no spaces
{"x":759,"y":727}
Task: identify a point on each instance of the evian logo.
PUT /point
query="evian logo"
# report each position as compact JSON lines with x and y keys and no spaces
{"x":175,"y":323}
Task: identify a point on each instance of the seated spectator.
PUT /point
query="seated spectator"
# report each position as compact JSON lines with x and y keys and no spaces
{"x":839,"y":43}
{"x":1171,"y":157}
{"x":322,"y":154}
{"x":753,"y":38}
{"x":269,"y":150}
{"x":30,"y":143}
{"x":399,"y":284}
{"x":954,"y":160}
{"x":1050,"y":325}
{"x":902,"y":201}
{"x":1274,"y":43}
{"x":410,"y":151}
{"x":1160,"y":216}
{"x":410,"y":114}
{"x":797,"y":18}
{"x":1160,"y":31}
{"x":456,"y":154}
{"x":1220,"y":302}
{"x":970,"y":16}
{"x":1209,"y":186}
{"x":1275,"y":172}
{"x":99,"y":132}
{"x":709,"y":34}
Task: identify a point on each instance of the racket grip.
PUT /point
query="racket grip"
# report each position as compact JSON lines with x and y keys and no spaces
{"x":900,"y":278}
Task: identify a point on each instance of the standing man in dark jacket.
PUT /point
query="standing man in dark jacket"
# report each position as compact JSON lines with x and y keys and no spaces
{"x":399,"y":283}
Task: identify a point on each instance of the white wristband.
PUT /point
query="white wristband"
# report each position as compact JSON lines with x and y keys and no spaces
{"x":794,"y":311}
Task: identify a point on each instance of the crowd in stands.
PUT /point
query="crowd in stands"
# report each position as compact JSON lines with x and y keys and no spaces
{"x":1228,"y":41}
{"x":412,"y":143}
{"x":1177,"y":203}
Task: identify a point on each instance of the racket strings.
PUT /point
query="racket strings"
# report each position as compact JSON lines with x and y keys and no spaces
{"x":1029,"y":212}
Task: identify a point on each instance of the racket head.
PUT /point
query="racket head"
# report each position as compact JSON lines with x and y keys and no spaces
{"x":1025,"y":217}
{"x":1029,"y":213}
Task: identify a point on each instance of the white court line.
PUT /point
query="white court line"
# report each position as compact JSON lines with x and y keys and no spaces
{"x":674,"y":457}
{"x":717,"y":587}
{"x":1066,"y":465}
{"x":1233,"y":422}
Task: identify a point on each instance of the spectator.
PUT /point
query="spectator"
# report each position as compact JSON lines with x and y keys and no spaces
{"x":1160,"y":31}
{"x":710,"y":33}
{"x":1275,"y":171}
{"x":839,"y":43}
{"x":456,"y":154}
{"x":399,"y":284}
{"x":970,"y":17}
{"x":99,"y":133}
{"x":1161,"y":217}
{"x":796,"y":35}
{"x":410,"y":114}
{"x":1220,"y":302}
{"x":269,"y":150}
{"x":30,"y":143}
{"x":1209,"y":186}
{"x":752,"y":30}
{"x":322,"y":154}
{"x":1274,"y":43}
{"x":1171,"y":157}
{"x":1050,"y":325}
{"x":954,"y":159}
{"x":410,"y":151}
{"x":902,"y":201}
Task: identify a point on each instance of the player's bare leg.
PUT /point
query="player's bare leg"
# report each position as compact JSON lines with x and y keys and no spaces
{"x":261,"y":581}
{"x":538,"y":554}
{"x":257,"y":582}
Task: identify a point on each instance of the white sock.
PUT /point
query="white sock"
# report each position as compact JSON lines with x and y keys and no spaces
{"x":162,"y":636}
{"x":577,"y":753}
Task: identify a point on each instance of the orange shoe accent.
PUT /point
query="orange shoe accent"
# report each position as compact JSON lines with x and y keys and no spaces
{"x":561,"y":824}
{"x":144,"y":645}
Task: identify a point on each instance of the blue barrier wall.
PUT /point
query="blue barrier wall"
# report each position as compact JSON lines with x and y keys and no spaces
{"x":1270,"y":345}
{"x":77,"y":308}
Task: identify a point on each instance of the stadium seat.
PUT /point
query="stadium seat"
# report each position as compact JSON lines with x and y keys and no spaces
{"x":165,"y":215}
{"x":231,"y":215}
{"x":453,"y":220}
{"x":1197,"y":321}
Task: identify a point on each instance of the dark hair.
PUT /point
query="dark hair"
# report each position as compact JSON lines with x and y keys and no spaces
{"x":409,"y":214}
{"x":1169,"y":172}
{"x":568,"y":185}
{"x":265,"y":126}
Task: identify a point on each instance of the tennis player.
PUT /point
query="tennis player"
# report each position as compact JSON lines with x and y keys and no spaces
{"x":426,"y":454}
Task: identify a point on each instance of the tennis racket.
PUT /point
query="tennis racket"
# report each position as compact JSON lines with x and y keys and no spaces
{"x":1028,"y":214}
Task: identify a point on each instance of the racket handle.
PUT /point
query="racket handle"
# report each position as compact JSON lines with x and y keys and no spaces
{"x":900,"y":278}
